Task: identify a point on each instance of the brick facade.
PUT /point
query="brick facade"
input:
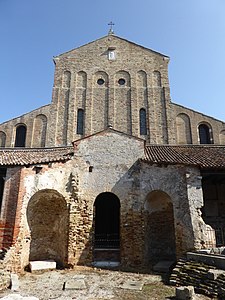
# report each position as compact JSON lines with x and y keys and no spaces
{"x":110,"y":80}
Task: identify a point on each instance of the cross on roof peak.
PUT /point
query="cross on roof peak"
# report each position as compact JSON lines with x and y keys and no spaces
{"x":111,"y":24}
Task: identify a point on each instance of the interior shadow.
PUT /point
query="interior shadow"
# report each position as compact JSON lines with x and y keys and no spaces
{"x":48,"y":219}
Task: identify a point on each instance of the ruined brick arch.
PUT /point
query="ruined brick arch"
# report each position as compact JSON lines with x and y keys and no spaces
{"x":160,"y":241}
{"x":81,"y":79}
{"x":48,"y":220}
{"x":156,"y":79}
{"x":183,"y":126}
{"x":222,"y":137}
{"x":2,"y":138}
{"x":66,"y":79}
{"x":20,"y":135}
{"x":205,"y":133}
{"x":39,"y":131}
{"x":141,"y":79}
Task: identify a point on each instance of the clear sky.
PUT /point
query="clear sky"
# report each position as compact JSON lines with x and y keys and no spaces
{"x":190,"y":32}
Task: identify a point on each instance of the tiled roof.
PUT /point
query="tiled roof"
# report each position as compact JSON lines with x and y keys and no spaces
{"x":204,"y":156}
{"x":16,"y":156}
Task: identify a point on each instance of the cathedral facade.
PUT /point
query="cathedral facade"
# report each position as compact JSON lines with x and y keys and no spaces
{"x":111,"y":82}
{"x":111,"y":171}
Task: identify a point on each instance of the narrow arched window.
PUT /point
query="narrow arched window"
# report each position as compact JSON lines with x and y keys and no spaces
{"x":143,"y":123}
{"x":20,"y":139}
{"x":204,"y":134}
{"x":80,"y":121}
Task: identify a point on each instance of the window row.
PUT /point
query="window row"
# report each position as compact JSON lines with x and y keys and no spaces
{"x":142,"y":122}
{"x":122,"y":78}
{"x":204,"y":131}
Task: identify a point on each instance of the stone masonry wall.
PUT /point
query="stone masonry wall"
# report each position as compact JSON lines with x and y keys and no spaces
{"x":36,"y":124}
{"x":146,"y":80}
{"x":206,"y":279}
{"x":109,"y":162}
{"x":191,"y":121}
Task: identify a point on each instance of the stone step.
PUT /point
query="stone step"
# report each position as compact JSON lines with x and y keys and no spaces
{"x":106,"y":264}
{"x":39,"y":265}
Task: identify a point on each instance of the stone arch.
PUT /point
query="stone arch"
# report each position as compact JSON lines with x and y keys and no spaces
{"x":141,"y":79}
{"x":122,"y":104}
{"x":183,"y":126}
{"x":205,"y":133}
{"x":120,"y":76}
{"x":66,"y":79}
{"x":39,"y":131}
{"x":222,"y":137}
{"x":160,"y":241}
{"x":100,"y":101}
{"x":2,"y":139}
{"x":48,"y":220}
{"x":81,"y":79}
{"x":101,"y":79}
{"x":21,"y":132}
{"x":156,"y":79}
{"x":106,"y":226}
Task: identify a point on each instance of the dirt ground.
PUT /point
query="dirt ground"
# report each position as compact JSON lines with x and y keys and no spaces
{"x":92,"y":284}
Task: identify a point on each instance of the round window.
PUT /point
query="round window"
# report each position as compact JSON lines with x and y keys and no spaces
{"x":100,"y":81}
{"x":121,"y":81}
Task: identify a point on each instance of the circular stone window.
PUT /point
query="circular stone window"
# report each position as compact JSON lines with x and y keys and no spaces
{"x":121,"y":81}
{"x":100,"y":81}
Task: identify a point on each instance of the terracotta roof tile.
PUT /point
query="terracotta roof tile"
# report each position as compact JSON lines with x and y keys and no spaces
{"x":204,"y":156}
{"x":19,"y":156}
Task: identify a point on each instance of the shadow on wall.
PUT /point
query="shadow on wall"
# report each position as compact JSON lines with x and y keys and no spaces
{"x":115,"y":227}
{"x":48,"y":219}
{"x":144,"y":228}
{"x":10,"y":208}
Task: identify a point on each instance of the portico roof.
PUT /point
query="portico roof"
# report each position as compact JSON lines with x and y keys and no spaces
{"x":203,"y":156}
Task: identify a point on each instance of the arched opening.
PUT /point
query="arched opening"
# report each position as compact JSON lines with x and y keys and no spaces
{"x":107,"y":227}
{"x":80,"y":121}
{"x":48,"y":219}
{"x":143,"y":122}
{"x":183,"y":125}
{"x":160,"y":234}
{"x":205,"y":134}
{"x":20,"y":139}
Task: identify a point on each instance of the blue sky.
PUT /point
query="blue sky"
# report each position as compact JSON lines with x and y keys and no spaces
{"x":190,"y":32}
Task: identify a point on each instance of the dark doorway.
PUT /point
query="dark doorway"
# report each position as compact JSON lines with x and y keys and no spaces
{"x":107,"y":221}
{"x":107,"y":229}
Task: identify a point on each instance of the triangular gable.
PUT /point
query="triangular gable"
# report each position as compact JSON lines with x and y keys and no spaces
{"x":67,"y":53}
{"x":105,"y":131}
{"x":109,"y":147}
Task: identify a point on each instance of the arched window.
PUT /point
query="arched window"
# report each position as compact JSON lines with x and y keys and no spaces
{"x":20,"y":140}
{"x":80,"y":121}
{"x":204,"y":134}
{"x":143,"y":123}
